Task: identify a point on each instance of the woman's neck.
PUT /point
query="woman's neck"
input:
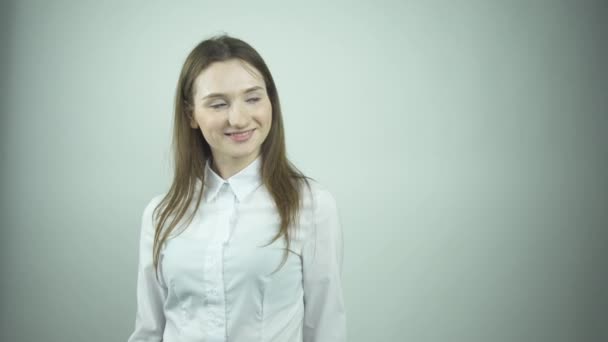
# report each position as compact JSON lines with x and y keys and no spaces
{"x":229,"y":167}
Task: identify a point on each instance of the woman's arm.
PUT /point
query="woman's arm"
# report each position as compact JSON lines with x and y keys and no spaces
{"x":324,"y":311}
{"x":150,"y":319}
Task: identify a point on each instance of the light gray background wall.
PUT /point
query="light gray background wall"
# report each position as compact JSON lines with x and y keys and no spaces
{"x":465,"y":143}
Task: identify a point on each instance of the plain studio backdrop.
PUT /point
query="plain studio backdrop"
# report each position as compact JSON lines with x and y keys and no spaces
{"x":465,"y":141}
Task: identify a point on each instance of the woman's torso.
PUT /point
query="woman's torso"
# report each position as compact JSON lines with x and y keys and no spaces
{"x":219,"y":276}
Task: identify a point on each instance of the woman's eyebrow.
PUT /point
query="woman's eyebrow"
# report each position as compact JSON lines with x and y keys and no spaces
{"x":248,"y":90}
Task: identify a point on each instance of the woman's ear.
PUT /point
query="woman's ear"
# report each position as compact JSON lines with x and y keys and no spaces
{"x":193,"y":122}
{"x":188,"y":108}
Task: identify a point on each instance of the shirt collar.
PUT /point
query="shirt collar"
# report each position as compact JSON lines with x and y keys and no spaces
{"x":242,"y":183}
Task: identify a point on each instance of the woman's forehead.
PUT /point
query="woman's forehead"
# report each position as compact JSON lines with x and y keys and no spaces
{"x":231,"y":76}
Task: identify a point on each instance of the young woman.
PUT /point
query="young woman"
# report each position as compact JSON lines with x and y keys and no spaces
{"x":243,"y":247}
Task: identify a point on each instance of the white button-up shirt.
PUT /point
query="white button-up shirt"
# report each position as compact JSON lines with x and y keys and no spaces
{"x":215,"y":278}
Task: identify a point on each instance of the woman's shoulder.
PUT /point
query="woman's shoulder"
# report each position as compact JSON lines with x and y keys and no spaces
{"x":154,"y":201}
{"x":151,"y":204}
{"x":319,"y":196}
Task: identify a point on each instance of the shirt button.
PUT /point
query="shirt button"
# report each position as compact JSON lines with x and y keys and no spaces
{"x":215,"y":320}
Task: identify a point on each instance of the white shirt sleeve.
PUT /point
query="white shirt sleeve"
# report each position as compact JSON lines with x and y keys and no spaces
{"x":322,"y":254}
{"x":150,"y":319}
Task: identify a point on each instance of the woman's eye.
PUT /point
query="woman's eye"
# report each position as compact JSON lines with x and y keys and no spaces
{"x":218,"y":105}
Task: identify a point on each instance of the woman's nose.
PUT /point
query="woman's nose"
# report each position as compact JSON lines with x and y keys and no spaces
{"x":237,"y":116}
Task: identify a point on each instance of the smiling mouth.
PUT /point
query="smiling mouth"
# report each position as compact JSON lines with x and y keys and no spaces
{"x":239,"y":133}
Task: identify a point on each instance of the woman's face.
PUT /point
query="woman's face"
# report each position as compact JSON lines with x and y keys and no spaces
{"x":229,"y":97}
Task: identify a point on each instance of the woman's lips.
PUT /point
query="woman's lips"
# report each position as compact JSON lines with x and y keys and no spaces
{"x":240,"y":137}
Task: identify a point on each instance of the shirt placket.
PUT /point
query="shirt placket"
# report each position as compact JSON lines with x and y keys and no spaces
{"x":214,"y":267}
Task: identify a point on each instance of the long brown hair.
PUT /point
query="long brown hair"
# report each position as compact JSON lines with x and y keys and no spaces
{"x":191,"y":151}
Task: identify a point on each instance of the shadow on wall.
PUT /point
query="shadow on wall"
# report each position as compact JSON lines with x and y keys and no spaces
{"x":6,"y":27}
